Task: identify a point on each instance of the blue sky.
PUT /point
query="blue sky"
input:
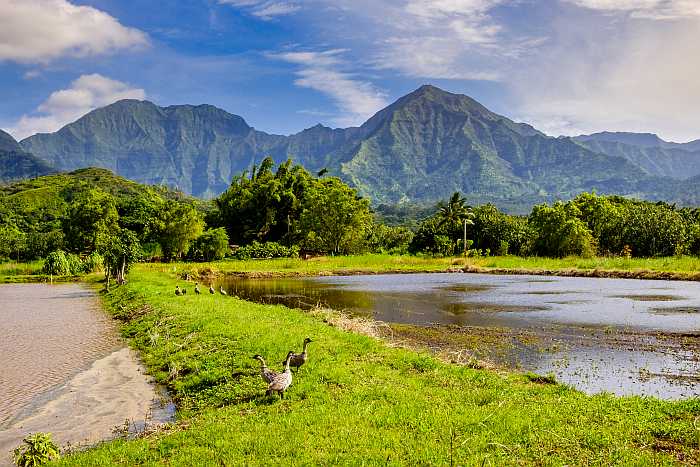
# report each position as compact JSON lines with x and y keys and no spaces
{"x":566,"y":66}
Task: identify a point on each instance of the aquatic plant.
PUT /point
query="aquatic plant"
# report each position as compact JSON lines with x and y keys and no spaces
{"x":36,"y":449}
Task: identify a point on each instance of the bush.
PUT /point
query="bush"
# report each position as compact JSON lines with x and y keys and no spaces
{"x":93,"y":262}
{"x":75,"y":264}
{"x":257,"y":250}
{"x":56,"y":263}
{"x":36,"y":449}
{"x":210,"y":246}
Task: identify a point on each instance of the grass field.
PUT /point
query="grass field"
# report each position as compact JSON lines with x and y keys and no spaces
{"x":681,"y":264}
{"x":359,"y":400}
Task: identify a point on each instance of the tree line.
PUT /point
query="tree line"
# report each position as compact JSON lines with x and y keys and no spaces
{"x":282,"y":210}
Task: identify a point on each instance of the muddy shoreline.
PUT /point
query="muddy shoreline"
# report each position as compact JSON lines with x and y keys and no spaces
{"x":67,"y":371}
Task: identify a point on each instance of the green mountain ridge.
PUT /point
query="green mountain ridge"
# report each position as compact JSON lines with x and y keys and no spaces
{"x":419,"y":149}
{"x":15,"y":164}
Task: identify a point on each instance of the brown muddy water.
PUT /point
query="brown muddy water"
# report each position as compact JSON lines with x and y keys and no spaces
{"x":628,"y":337}
{"x":66,"y":371}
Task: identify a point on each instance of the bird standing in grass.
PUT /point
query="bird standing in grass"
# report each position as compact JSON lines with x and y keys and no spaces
{"x":267,"y":374}
{"x":222,"y":291}
{"x":184,"y":291}
{"x":211,"y":290}
{"x":281,"y":381}
{"x":178,"y":292}
{"x":298,"y":359}
{"x":196,"y":288}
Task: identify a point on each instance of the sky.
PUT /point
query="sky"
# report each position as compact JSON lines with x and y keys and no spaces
{"x":565,"y":66}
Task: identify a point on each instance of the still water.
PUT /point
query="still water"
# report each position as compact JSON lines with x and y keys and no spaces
{"x":622,"y":336}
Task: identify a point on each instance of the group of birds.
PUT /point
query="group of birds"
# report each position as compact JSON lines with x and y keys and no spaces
{"x":276,"y":382}
{"x":279,"y":382}
{"x":183,"y":291}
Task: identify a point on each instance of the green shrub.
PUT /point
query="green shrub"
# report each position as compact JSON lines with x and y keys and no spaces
{"x":266,"y":250}
{"x":56,"y":263}
{"x":36,"y":449}
{"x":93,"y":263}
{"x":75,"y":264}
{"x":210,"y":246}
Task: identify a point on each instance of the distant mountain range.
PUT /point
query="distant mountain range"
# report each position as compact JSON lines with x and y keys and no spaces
{"x":419,"y":149}
{"x":16,"y":164}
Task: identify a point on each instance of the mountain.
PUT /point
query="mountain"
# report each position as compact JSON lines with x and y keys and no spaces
{"x":419,"y":149}
{"x":15,"y":164}
{"x":648,"y":151}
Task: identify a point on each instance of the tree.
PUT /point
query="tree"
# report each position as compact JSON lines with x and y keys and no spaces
{"x":210,"y":246}
{"x":93,"y":214}
{"x":176,"y":226}
{"x":334,"y":218}
{"x":560,"y":232}
{"x":264,"y":205}
{"x":455,"y":215}
{"x":119,"y":250}
{"x":12,"y":241}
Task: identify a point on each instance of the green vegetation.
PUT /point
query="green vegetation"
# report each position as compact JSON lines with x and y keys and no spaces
{"x":472,"y":150}
{"x":36,"y":449}
{"x":585,"y":226}
{"x":291,"y":206}
{"x":359,"y":400}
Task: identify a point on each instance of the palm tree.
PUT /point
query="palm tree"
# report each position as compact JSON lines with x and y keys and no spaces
{"x":456,"y":213}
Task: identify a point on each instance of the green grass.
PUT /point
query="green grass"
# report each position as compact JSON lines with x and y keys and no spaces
{"x":359,"y":401}
{"x":21,"y":269}
{"x":372,"y":263}
{"x":687,"y":264}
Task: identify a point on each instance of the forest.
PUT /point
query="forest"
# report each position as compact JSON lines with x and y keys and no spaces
{"x":91,"y":219}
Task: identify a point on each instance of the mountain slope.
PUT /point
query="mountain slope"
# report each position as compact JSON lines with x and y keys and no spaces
{"x":431,"y":143}
{"x":648,"y":151}
{"x":419,"y":149}
{"x":16,"y":164}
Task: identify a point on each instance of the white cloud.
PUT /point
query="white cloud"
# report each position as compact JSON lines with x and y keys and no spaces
{"x":86,"y":93}
{"x":631,"y":76}
{"x":356,"y":99}
{"x":265,"y":10}
{"x":38,"y":31}
{"x":649,"y":9}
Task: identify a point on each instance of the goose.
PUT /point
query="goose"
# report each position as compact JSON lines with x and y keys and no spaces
{"x":281,"y":381}
{"x":267,"y":374}
{"x":196,"y":288}
{"x":211,"y":290}
{"x":298,"y":359}
{"x":184,"y":291}
{"x":178,"y":292}
{"x":222,"y":291}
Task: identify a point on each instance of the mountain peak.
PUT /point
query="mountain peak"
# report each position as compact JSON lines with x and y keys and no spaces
{"x":8,"y":143}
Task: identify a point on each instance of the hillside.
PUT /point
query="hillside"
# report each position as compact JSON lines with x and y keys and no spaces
{"x":651,"y":153}
{"x":15,"y":164}
{"x":419,"y":149}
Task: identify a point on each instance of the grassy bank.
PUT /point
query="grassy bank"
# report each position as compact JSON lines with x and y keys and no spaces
{"x":681,"y":267}
{"x":359,"y":400}
{"x":363,"y":264}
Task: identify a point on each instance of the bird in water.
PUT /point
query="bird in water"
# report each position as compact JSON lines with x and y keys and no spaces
{"x":178,"y":292}
{"x":211,"y":290}
{"x":267,"y":374}
{"x":222,"y":291}
{"x":298,"y":359}
{"x":281,"y":381}
{"x":196,"y":288}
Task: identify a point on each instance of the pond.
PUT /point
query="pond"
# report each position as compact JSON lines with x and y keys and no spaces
{"x":629,"y":337}
{"x":65,"y":369}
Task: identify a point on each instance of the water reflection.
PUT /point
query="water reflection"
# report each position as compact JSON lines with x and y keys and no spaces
{"x":616,"y":335}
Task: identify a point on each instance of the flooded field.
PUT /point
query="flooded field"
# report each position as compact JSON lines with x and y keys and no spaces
{"x":622,"y":336}
{"x":65,"y":370}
